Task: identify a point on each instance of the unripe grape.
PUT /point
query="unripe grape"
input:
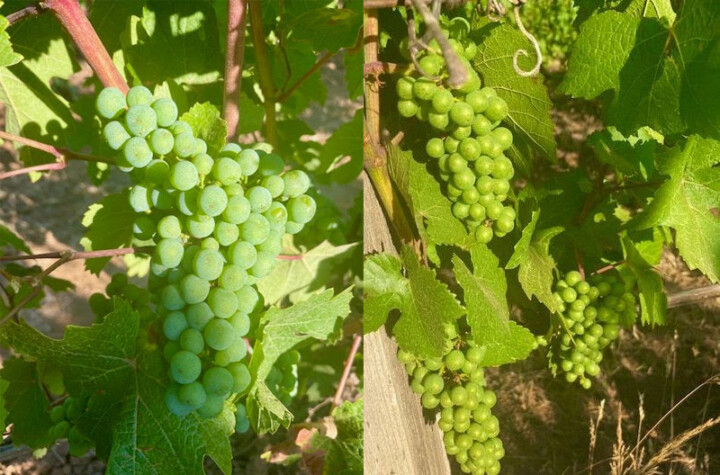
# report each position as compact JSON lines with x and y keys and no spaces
{"x":166,"y":111}
{"x":110,"y":103}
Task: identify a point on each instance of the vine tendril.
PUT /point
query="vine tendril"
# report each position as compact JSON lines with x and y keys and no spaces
{"x":521,"y":52}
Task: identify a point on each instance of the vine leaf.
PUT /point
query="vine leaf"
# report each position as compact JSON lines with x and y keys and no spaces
{"x":107,"y":360}
{"x":8,"y":57}
{"x":341,"y":144}
{"x":26,"y":404}
{"x":109,"y":226}
{"x":662,"y":77}
{"x":487,"y":309}
{"x":9,"y":238}
{"x":317,"y":318}
{"x":536,"y":265}
{"x":297,"y":279}
{"x":527,"y":98}
{"x":425,"y":304}
{"x":688,"y":202}
{"x":653,"y":302}
{"x":207,"y":124}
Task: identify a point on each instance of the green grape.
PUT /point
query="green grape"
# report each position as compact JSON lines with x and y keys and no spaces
{"x":483,"y":234}
{"x":456,"y":163}
{"x":218,"y":381}
{"x":460,"y":210}
{"x":184,"y":175}
{"x":227,"y":171}
{"x":208,"y":264}
{"x":273,"y":244}
{"x":242,"y":423}
{"x":247,"y":299}
{"x":249,"y":161}
{"x":481,"y":126}
{"x":442,"y":101}
{"x":57,"y":414}
{"x":270,"y":164}
{"x":169,"y":252}
{"x":505,"y":224}
{"x":424,"y":89}
{"x":460,"y":133}
{"x":293,"y":228}
{"x":469,"y":149}
{"x":110,"y":103}
{"x":237,"y":210}
{"x":260,"y":199}
{"x":180,"y":127}
{"x":464,"y":179}
{"x":161,"y":141}
{"x":431,"y":64}
{"x":192,"y":340}
{"x":497,"y":109}
{"x":241,"y":376}
{"x":439,"y":121}
{"x":185,"y":367}
{"x":157,"y":171}
{"x":404,"y":87}
{"x":171,"y":297}
{"x":232,"y":354}
{"x":232,"y":278}
{"x":435,"y":147}
{"x":194,"y":289}
{"x":166,"y":111}
{"x":407,"y":108}
{"x":255,"y":229}
{"x":274,"y":184}
{"x":186,"y":202}
{"x":115,"y":134}
{"x":140,"y":120}
{"x":462,"y":114}
{"x":174,"y":324}
{"x":478,"y":101}
{"x":198,"y":315}
{"x":226,"y":233}
{"x":169,"y":227}
{"x":212,"y":407}
{"x":451,"y":144}
{"x":434,"y":383}
{"x":218,"y":334}
{"x":297,"y":183}
{"x":301,"y":209}
{"x":263,"y":265}
{"x":200,"y":226}
{"x":192,"y":395}
{"x":139,"y":95}
{"x":184,"y":145}
{"x":203,"y":162}
{"x":136,"y":152}
{"x":241,"y":323}
{"x":212,"y":200}
{"x":231,"y":148}
{"x":503,"y":137}
{"x":502,"y":168}
{"x":242,"y":254}
{"x":222,"y":302}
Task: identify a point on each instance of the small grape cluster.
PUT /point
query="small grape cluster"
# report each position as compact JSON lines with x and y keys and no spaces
{"x":217,"y":224}
{"x":456,"y":383}
{"x":590,"y":315}
{"x":64,"y":417}
{"x":469,"y":147}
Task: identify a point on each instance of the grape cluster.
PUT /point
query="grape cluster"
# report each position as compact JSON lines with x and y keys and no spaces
{"x":217,"y":224}
{"x":469,"y":146}
{"x":64,"y":417}
{"x":456,"y":384}
{"x":591,"y":314}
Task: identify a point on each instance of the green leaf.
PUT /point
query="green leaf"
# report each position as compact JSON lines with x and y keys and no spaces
{"x":26,"y":404}
{"x":688,"y":203}
{"x":629,"y":155}
{"x":327,"y":28}
{"x":109,"y":226}
{"x":353,"y":62}
{"x":7,"y":56}
{"x":487,"y":310}
{"x":251,"y":115}
{"x":208,"y":125}
{"x":527,"y":98}
{"x":652,"y":9}
{"x":653,"y":302}
{"x":298,"y":278}
{"x":105,"y":359}
{"x":317,"y":318}
{"x":425,"y":304}
{"x":9,"y":238}
{"x":3,"y":406}
{"x":342,"y":154}
{"x":537,"y":267}
{"x":345,"y":453}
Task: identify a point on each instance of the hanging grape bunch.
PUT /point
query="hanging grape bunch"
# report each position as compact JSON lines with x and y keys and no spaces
{"x":469,"y":144}
{"x":64,"y":417}
{"x":456,"y":384}
{"x":590,"y":319}
{"x":217,"y":224}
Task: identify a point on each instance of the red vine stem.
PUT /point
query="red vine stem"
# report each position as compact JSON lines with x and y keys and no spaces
{"x":234,"y":58}
{"x":346,"y":371}
{"x":374,"y":4}
{"x":62,"y":155}
{"x":71,"y":16}
{"x":287,"y":257}
{"x":73,"y":255}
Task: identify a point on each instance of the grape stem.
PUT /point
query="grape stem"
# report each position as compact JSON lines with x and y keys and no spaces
{"x":263,"y":70}
{"x":376,"y":4}
{"x":27,"y":12}
{"x":70,"y":254}
{"x":337,"y":399}
{"x":71,"y":16}
{"x":287,"y":257}
{"x":62,"y":156}
{"x":234,"y":58}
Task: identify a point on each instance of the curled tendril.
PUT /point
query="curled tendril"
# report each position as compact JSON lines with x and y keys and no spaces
{"x":495,"y":10}
{"x":521,"y":52}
